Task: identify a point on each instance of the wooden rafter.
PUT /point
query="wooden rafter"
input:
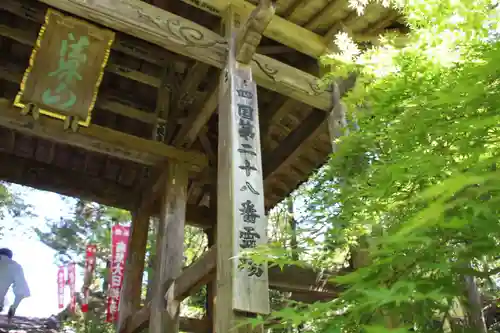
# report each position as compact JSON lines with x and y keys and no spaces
{"x":272,"y":160}
{"x":192,"y":40}
{"x":189,"y":86}
{"x":309,"y":128}
{"x":279,"y":29}
{"x":36,"y":174}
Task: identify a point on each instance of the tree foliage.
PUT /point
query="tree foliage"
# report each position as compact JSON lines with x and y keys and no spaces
{"x":89,"y":222}
{"x":414,"y":181}
{"x":12,"y":205}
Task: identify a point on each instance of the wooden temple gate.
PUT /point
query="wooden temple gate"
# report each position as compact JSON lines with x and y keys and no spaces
{"x":133,"y":104}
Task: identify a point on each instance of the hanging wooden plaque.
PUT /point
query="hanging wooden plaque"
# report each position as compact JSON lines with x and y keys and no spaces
{"x":66,"y":68}
{"x":239,"y":123}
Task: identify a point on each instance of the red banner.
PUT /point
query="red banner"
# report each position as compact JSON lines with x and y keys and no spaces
{"x":90,"y":262}
{"x":119,"y":240}
{"x":60,"y":286}
{"x":71,"y":283}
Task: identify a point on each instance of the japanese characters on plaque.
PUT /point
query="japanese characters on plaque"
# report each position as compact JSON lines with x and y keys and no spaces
{"x":119,"y":240}
{"x":248,"y":208}
{"x":66,"y":68}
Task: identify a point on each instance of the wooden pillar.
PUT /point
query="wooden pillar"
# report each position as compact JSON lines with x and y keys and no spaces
{"x":242,"y":285}
{"x":211,"y":287}
{"x":169,"y":250}
{"x":130,"y":298}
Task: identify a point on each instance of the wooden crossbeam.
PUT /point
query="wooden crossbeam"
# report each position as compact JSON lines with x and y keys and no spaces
{"x":291,"y":278}
{"x":195,"y":276}
{"x":98,"y":139}
{"x":140,"y":321}
{"x":196,"y":120}
{"x":192,"y":40}
{"x":279,"y":29}
{"x":42,"y":176}
{"x":309,"y":128}
{"x":187,"y":90}
{"x":304,"y":281}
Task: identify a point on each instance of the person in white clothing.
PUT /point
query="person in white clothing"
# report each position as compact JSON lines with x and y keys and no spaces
{"x":11,"y":273}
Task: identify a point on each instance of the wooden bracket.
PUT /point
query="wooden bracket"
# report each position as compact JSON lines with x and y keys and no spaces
{"x":250,"y":34}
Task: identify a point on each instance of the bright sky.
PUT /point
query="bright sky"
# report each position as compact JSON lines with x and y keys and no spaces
{"x":36,"y":258}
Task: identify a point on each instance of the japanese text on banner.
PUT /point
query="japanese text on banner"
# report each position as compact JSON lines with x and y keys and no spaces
{"x":60,"y":286}
{"x":90,"y":262}
{"x":119,"y":240}
{"x":71,"y":283}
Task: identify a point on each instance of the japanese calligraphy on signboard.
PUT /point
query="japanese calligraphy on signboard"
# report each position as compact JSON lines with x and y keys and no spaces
{"x":119,"y":240}
{"x":66,"y":68}
{"x":250,"y":280}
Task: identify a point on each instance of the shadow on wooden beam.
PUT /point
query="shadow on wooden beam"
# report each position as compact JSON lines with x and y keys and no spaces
{"x":290,"y":278}
{"x":140,"y":321}
{"x":309,"y":286}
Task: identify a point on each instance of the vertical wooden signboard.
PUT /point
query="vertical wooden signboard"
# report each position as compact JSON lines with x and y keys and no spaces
{"x":241,"y":211}
{"x":66,"y":68}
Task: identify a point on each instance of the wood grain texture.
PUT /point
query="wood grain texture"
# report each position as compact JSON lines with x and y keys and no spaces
{"x":56,"y":89}
{"x":237,"y":288}
{"x":185,"y":37}
{"x":14,"y":73}
{"x":93,"y":138}
{"x":249,"y":37}
{"x":194,"y":276}
{"x":119,"y":144}
{"x":27,"y":172}
{"x":130,"y":297}
{"x":170,"y":250}
{"x":152,"y":24}
{"x":279,"y":29}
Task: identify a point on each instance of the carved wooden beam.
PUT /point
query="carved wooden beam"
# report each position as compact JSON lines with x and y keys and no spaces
{"x":35,"y":11}
{"x":279,"y":29}
{"x":247,"y":41}
{"x":251,"y":33}
{"x":192,"y":40}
